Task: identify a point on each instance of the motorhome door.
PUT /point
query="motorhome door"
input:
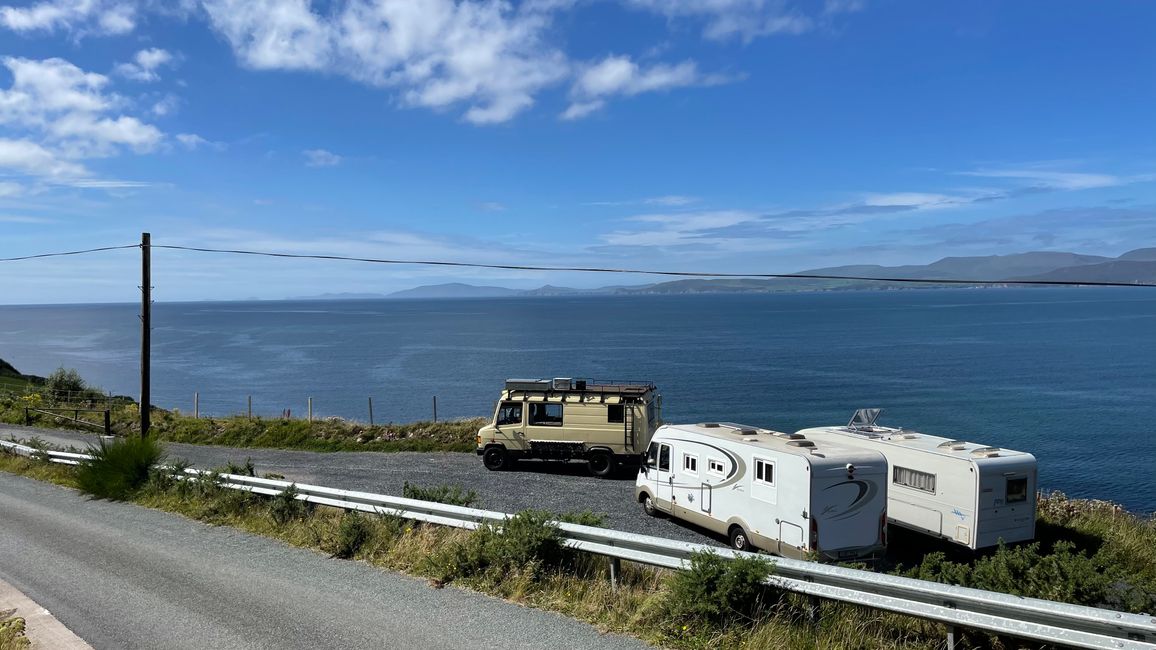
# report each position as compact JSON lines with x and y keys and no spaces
{"x":665,"y":476}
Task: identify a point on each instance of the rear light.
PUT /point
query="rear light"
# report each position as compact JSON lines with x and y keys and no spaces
{"x":814,"y":533}
{"x":883,"y":528}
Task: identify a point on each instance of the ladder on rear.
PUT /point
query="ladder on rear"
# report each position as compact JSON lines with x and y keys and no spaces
{"x":628,"y":427}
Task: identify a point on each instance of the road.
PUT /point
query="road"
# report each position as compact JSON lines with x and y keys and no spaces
{"x":550,"y":486}
{"x":123,"y":576}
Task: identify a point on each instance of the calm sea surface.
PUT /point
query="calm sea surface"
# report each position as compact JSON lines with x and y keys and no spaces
{"x":1067,"y":374}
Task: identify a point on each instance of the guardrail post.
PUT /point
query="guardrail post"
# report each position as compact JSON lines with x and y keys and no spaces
{"x":615,"y":572}
{"x":952,"y":636}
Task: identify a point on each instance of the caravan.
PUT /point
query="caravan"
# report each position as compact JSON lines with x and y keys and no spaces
{"x":964,"y":492}
{"x":778,"y":492}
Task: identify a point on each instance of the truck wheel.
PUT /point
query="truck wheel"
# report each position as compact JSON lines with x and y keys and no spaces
{"x":600,"y":464}
{"x":649,"y":508}
{"x":496,"y":458}
{"x":739,"y":539}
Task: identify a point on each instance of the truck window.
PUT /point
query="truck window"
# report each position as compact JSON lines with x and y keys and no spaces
{"x":615,"y":413}
{"x":510,"y":413}
{"x":1017,"y":490}
{"x":664,"y":458}
{"x":544,"y":414}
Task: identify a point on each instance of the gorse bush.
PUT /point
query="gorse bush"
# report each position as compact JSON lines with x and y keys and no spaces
{"x":717,"y":591}
{"x":450,"y":494}
{"x":527,"y":542}
{"x":119,"y":468}
{"x":352,"y":533}
{"x":286,"y":507}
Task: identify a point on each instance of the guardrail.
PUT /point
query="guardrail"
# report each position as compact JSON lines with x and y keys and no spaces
{"x":957,"y":607}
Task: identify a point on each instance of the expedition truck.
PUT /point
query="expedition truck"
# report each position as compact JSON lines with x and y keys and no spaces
{"x":607,"y":424}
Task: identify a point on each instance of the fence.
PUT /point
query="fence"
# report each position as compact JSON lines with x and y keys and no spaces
{"x":287,"y":413}
{"x":957,"y":607}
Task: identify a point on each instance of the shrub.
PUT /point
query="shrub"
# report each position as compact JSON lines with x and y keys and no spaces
{"x":240,"y":470}
{"x":525,"y":542}
{"x":353,"y":532}
{"x":718,"y":591}
{"x":286,"y":507}
{"x":12,"y":631}
{"x":118,"y":469}
{"x":453,"y":495}
{"x":584,"y":517}
{"x":61,"y":381}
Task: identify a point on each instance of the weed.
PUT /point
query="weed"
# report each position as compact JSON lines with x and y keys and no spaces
{"x":584,"y":517}
{"x":453,"y":495}
{"x":286,"y":507}
{"x":12,"y":631}
{"x":716,"y":591}
{"x":353,"y":532}
{"x":118,"y":468}
{"x":240,"y":470}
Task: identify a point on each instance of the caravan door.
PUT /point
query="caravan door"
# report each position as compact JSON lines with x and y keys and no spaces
{"x":664,"y":490}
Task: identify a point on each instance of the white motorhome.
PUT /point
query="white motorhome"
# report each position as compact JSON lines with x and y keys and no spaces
{"x":779,"y":492}
{"x":964,"y":492}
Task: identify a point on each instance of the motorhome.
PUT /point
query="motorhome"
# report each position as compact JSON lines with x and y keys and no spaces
{"x":968,"y":493}
{"x":780,"y":492}
{"x":607,"y":424}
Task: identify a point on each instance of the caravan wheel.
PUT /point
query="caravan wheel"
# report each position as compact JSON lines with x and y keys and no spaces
{"x":739,"y":539}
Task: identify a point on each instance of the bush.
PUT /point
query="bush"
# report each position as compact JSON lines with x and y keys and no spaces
{"x":584,"y":517}
{"x":240,"y":470}
{"x":61,"y":381}
{"x":12,"y":631}
{"x":453,"y":495}
{"x":286,"y":507}
{"x":718,"y":591}
{"x":353,"y":532}
{"x":118,"y":469}
{"x":525,"y":542}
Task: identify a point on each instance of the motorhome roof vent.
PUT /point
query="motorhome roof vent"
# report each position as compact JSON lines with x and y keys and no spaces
{"x":800,"y":443}
{"x":985,"y":452}
{"x":750,"y":439}
{"x":792,"y":436}
{"x":953,"y":445}
{"x":902,"y":436}
{"x":864,"y":418}
{"x":747,"y":431}
{"x":709,"y":425}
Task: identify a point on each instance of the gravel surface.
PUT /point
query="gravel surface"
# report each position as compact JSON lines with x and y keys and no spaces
{"x":123,"y":576}
{"x":535,"y":484}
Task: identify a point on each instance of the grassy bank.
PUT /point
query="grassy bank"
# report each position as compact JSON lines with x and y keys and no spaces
{"x":1090,"y":552}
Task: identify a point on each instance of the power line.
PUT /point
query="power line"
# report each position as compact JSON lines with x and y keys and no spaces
{"x":687,"y":274}
{"x":88,"y":250}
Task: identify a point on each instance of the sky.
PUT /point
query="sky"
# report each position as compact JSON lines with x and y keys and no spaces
{"x":745,"y":136}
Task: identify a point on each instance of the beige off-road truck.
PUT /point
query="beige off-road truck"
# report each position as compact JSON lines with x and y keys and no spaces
{"x":608,"y":424}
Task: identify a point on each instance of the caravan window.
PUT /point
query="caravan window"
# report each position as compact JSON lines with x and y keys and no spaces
{"x":716,"y":466}
{"x":913,"y":478}
{"x":1017,"y":490}
{"x":664,"y":458}
{"x":615,"y":413}
{"x":690,"y":463}
{"x":764,"y":472}
{"x":510,"y":413}
{"x":545,"y":414}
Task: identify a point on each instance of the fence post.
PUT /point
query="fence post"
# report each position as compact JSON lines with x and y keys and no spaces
{"x":370,"y":411}
{"x":435,"y":408}
{"x":107,"y":422}
{"x":196,"y":405}
{"x":27,"y":417}
{"x":250,"y":407}
{"x":310,"y":409}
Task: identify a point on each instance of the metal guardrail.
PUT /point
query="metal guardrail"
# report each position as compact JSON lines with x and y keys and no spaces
{"x":957,"y":607}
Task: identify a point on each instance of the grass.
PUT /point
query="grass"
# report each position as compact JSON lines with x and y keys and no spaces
{"x":119,"y":468}
{"x":12,"y":631}
{"x":1086,"y":551}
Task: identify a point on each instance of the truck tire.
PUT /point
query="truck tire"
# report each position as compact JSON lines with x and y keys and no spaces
{"x":739,"y":539}
{"x":496,"y":459}
{"x":600,"y":463}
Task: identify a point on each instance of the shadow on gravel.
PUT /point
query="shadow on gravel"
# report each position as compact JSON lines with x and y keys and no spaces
{"x":560,"y":468}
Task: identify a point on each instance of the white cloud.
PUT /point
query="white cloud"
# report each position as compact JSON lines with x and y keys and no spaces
{"x":491,"y":206}
{"x":619,"y":75}
{"x":320,"y":158}
{"x":28,"y":158}
{"x":9,"y":189}
{"x":1050,"y":179}
{"x":105,"y":17}
{"x":20,"y":218}
{"x":914,"y":200}
{"x":165,"y":105}
{"x":671,"y":200}
{"x":192,"y":142}
{"x":144,"y":65}
{"x":745,"y":19}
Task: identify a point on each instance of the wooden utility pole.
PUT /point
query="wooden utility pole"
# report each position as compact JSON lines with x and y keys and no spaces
{"x":145,"y":331}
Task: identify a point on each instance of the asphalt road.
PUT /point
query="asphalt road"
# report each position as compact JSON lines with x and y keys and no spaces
{"x":123,"y":576}
{"x":535,"y":484}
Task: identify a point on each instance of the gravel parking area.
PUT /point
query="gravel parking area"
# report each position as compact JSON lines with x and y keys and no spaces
{"x":535,"y":484}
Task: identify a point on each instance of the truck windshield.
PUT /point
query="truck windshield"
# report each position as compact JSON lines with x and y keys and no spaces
{"x":509,"y":413}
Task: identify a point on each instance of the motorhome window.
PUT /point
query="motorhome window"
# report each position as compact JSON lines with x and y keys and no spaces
{"x":716,"y":466}
{"x":1017,"y":490}
{"x":543,"y":414}
{"x":765,"y":472}
{"x":690,"y":463}
{"x":913,"y":478}
{"x":615,"y":413}
{"x":664,"y":458}
{"x":510,"y":413}
{"x":652,"y":455}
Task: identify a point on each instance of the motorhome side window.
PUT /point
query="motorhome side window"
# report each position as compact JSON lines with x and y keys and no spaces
{"x":690,"y":463}
{"x":664,"y":458}
{"x":510,"y":413}
{"x":544,"y":414}
{"x":764,"y":472}
{"x":716,"y":466}
{"x":913,"y":479}
{"x":615,"y":413}
{"x":1017,"y":490}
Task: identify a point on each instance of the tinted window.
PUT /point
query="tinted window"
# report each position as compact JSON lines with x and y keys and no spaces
{"x":1017,"y":490}
{"x":615,"y":413}
{"x":510,"y":413}
{"x":664,"y":458}
{"x":546,"y":414}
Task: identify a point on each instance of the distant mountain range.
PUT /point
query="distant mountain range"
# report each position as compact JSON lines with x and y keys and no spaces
{"x":1137,"y":266}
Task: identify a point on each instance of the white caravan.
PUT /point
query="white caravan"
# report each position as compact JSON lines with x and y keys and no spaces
{"x":964,"y":492}
{"x":779,"y":492}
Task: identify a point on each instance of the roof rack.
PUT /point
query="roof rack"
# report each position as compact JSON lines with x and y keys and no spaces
{"x":570,"y":385}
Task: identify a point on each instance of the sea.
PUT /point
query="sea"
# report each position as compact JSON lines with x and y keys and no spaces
{"x":1068,"y":374}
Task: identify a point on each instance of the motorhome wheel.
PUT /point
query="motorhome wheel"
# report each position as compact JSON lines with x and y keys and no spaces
{"x":739,"y":539}
{"x":496,"y":458}
{"x":648,"y":506}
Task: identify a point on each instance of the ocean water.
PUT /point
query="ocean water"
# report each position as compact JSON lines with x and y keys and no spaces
{"x":1068,"y":374}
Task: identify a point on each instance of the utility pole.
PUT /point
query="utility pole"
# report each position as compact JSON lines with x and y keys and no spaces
{"x":145,"y":331}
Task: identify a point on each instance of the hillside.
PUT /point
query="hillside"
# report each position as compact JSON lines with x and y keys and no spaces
{"x":1114,"y":271}
{"x":455,"y":290}
{"x":11,"y":378}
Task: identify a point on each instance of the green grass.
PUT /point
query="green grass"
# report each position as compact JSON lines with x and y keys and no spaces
{"x":12,"y":631}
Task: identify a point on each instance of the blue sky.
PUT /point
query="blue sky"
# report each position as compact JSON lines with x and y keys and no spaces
{"x":707,"y":135}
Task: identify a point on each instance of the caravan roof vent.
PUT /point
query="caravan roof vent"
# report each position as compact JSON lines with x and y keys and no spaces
{"x":985,"y":452}
{"x":901,"y":436}
{"x":953,"y":445}
{"x":864,"y":418}
{"x":709,"y":425}
{"x":561,"y":383}
{"x":747,"y":431}
{"x":791,"y":436}
{"x":800,"y":443}
{"x":750,"y":439}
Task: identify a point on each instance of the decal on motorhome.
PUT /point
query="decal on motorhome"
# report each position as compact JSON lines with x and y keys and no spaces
{"x":738,"y":467}
{"x":866,"y":494}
